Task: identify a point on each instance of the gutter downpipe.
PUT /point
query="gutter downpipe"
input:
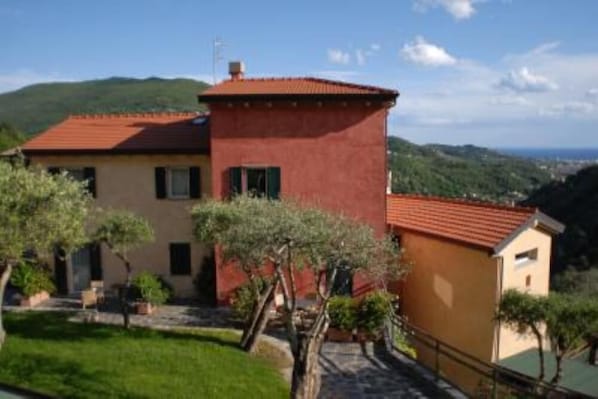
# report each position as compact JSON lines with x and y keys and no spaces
{"x":500,"y":261}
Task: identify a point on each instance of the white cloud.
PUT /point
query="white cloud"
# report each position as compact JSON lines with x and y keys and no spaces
{"x":592,"y":93}
{"x":360,"y":57}
{"x":337,"y":74}
{"x":375,"y":47}
{"x":570,"y":108}
{"x":423,"y":53}
{"x":510,"y":100}
{"x":459,"y":9}
{"x":522,"y":80}
{"x":337,"y":56}
{"x":544,"y":48}
{"x":15,"y":80}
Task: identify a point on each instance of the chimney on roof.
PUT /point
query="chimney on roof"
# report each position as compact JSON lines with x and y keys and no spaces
{"x":236,"y":69}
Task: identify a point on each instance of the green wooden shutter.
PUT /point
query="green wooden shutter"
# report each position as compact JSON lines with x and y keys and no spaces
{"x":95,"y":253}
{"x":194,"y":182}
{"x":273,"y":174}
{"x":160,"y":173}
{"x":180,"y":259}
{"x":235,"y":180}
{"x":89,"y":174}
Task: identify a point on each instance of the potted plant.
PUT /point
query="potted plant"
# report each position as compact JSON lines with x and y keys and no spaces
{"x":343,"y":317}
{"x":34,"y":282}
{"x":372,"y":312}
{"x":151,"y":293}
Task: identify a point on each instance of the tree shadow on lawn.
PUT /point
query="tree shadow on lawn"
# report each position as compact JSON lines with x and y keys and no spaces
{"x":55,"y":376}
{"x":55,"y":326}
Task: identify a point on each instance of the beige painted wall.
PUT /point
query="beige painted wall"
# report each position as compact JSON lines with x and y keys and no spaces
{"x":514,"y":276}
{"x":127,"y":181}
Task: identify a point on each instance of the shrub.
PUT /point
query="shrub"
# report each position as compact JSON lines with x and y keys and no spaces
{"x":243,"y":299}
{"x":166,"y":286}
{"x":343,"y":312}
{"x":31,"y":278}
{"x":403,"y":344}
{"x":373,"y":310}
{"x":150,"y":288}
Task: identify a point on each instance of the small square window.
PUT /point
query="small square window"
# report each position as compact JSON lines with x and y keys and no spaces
{"x":178,"y":183}
{"x":528,"y":281}
{"x":526,"y":257}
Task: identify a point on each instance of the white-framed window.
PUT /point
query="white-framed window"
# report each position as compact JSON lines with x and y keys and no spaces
{"x":178,"y":182}
{"x":524,"y":258}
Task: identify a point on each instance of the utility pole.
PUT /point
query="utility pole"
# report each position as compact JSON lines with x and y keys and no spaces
{"x":217,"y":45}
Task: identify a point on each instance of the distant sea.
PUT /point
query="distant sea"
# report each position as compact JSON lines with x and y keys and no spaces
{"x":569,"y":154}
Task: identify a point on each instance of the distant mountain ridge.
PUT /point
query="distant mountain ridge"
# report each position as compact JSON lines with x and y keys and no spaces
{"x":34,"y":108}
{"x":461,"y":171}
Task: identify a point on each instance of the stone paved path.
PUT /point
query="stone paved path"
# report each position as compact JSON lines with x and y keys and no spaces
{"x":352,"y":371}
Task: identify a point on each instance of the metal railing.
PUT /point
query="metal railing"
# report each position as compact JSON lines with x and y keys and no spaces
{"x":473,"y":376}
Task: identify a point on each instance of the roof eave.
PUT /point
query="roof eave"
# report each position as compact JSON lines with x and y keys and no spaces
{"x":538,"y":220}
{"x":116,"y":151}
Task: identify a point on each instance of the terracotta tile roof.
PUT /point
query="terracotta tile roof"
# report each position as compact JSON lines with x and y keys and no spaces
{"x":293,"y":87}
{"x":124,"y":133}
{"x":479,"y":224}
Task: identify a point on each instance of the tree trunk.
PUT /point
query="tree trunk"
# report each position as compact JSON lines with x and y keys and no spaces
{"x":124,"y":300}
{"x":306,"y":378}
{"x":4,"y":277}
{"x":559,"y":367}
{"x":259,"y":318}
{"x":540,"y":352}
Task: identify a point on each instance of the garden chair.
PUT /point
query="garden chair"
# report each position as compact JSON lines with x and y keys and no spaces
{"x":89,"y":298}
{"x":98,"y":287}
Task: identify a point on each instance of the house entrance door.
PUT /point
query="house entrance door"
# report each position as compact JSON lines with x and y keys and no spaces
{"x":81,"y":269}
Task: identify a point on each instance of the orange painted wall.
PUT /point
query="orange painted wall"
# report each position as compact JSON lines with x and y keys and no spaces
{"x":333,"y":156}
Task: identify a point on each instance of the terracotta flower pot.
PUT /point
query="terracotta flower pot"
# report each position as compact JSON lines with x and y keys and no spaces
{"x":364,"y":336}
{"x":336,"y":335}
{"x":34,"y":300}
{"x":144,"y":308}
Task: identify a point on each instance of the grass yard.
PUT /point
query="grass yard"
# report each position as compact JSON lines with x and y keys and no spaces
{"x":47,"y":353}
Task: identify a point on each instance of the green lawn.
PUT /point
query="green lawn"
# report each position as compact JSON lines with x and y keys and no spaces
{"x":47,"y":353}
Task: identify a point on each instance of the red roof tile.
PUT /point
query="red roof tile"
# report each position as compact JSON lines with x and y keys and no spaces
{"x":124,"y":133}
{"x":483,"y":225}
{"x":292,"y":87}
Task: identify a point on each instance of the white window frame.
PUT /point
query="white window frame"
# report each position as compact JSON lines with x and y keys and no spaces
{"x":169,"y":184}
{"x":526,"y":257}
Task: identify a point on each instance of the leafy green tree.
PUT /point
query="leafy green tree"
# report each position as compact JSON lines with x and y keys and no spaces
{"x":525,"y":313}
{"x":569,"y":320}
{"x":38,"y":213}
{"x":122,"y":232}
{"x":9,"y":136}
{"x":577,"y":282}
{"x":260,"y":235}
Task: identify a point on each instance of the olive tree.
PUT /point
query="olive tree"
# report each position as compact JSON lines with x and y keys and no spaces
{"x":569,"y":320}
{"x":282,"y":237}
{"x":39,"y":212}
{"x":122,"y":232}
{"x":526,"y":314}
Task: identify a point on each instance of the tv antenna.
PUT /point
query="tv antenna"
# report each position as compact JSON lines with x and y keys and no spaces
{"x":217,"y":45}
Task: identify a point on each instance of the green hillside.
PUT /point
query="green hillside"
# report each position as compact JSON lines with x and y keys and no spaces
{"x":461,"y":171}
{"x":573,"y":202}
{"x":35,"y":108}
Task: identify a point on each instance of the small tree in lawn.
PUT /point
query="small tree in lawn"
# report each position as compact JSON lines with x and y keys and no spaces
{"x":122,"y":232}
{"x":526,"y":314}
{"x":38,"y":212}
{"x":569,"y":320}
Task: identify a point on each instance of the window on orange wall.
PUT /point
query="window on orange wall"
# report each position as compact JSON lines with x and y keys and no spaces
{"x":526,"y":257}
{"x":256,"y":181}
{"x":528,"y":281}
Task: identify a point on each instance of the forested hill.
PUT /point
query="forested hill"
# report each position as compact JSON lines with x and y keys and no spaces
{"x":34,"y":108}
{"x":573,"y":202}
{"x":461,"y":171}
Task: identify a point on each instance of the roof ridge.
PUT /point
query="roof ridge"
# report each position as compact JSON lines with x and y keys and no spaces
{"x":463,"y":201}
{"x":116,"y":115}
{"x":314,"y":79}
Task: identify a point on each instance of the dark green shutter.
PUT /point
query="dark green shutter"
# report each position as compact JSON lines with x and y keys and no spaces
{"x":160,"y":173}
{"x":53,"y":170}
{"x":273,"y":174}
{"x":89,"y":174}
{"x":60,"y":271}
{"x":194,"y":182}
{"x":235,"y":179}
{"x":95,"y":253}
{"x":180,"y":259}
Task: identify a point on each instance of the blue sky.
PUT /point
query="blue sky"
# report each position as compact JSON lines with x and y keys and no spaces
{"x":487,"y":72}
